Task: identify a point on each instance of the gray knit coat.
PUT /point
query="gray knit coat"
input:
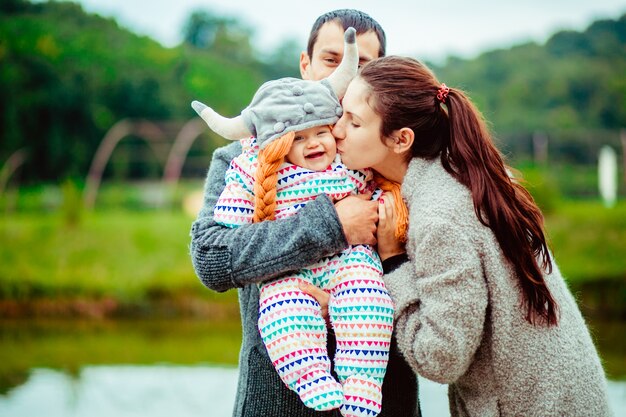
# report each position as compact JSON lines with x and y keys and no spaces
{"x":240,"y":258}
{"x":460,"y":320}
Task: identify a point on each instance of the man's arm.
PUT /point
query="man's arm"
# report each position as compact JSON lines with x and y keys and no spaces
{"x":225,"y":258}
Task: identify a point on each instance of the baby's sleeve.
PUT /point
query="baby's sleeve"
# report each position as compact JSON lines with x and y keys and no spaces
{"x":235,"y":206}
{"x":362,"y":180}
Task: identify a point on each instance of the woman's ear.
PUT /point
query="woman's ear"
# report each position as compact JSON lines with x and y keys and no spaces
{"x":403,"y":140}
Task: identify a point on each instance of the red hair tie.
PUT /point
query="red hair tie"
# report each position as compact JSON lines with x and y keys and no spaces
{"x":442,"y":93}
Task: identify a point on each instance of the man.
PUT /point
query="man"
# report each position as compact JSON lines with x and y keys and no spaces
{"x":242,"y":257}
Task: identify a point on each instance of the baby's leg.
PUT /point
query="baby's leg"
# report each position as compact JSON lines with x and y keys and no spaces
{"x":294,"y":334}
{"x":362,"y":314}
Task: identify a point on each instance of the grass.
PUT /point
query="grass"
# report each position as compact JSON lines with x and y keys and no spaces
{"x":589,"y":240}
{"x":127,"y":255}
{"x":139,"y":255}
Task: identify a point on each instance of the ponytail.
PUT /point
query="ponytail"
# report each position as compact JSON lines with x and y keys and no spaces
{"x":266,"y":177}
{"x":501,"y":204}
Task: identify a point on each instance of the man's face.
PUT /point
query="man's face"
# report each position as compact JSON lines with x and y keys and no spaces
{"x":328,"y":51}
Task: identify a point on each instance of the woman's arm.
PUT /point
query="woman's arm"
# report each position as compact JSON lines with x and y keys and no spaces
{"x":441,"y":301}
{"x":225,"y":258}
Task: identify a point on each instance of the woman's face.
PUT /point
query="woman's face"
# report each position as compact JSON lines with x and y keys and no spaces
{"x":359,"y":141}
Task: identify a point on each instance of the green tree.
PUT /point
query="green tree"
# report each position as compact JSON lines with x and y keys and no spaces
{"x":223,"y":35}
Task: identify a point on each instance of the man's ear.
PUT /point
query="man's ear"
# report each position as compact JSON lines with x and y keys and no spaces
{"x":403,"y":140}
{"x":305,"y":63}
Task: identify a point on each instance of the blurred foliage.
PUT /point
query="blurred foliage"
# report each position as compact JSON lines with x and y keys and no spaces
{"x":572,"y":90}
{"x":543,"y":187}
{"x":72,"y":206}
{"x":576,"y":80}
{"x":224,"y":36}
{"x":133,"y":255}
{"x":589,"y":241}
{"x":66,"y":77}
{"x":134,"y":196}
{"x":125,"y":255}
{"x":70,"y":345}
{"x":550,"y":182}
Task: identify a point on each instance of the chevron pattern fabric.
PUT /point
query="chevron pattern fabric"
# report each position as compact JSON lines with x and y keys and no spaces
{"x":361,"y":313}
{"x":290,"y":321}
{"x":296,"y":186}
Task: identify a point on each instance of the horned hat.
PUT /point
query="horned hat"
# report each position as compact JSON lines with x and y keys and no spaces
{"x":288,"y":104}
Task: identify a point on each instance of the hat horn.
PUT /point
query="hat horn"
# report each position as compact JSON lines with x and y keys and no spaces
{"x":340,"y":79}
{"x":231,"y":129}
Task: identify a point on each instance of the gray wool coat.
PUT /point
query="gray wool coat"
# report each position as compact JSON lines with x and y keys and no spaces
{"x":239,"y":258}
{"x":459,"y":319}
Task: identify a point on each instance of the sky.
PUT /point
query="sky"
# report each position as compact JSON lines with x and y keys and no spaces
{"x":424,"y":29}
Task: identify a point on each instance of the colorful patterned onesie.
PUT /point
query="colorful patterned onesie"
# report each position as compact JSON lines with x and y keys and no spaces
{"x":290,"y":321}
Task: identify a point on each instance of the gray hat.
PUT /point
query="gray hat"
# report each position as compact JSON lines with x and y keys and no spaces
{"x":289,"y":104}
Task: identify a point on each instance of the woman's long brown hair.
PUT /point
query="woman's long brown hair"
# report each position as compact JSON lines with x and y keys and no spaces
{"x":404,"y":93}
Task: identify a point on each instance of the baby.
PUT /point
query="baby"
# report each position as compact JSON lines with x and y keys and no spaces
{"x":290,"y":159}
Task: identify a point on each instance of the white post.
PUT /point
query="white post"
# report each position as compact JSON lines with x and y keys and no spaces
{"x":607,"y":175}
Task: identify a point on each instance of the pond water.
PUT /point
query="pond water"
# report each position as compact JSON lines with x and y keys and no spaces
{"x":103,"y":391}
{"x":140,"y":368}
{"x":165,"y":391}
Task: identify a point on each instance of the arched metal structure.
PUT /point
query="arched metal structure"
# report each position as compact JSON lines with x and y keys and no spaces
{"x":178,"y":154}
{"x":143,"y":129}
{"x":14,"y":161}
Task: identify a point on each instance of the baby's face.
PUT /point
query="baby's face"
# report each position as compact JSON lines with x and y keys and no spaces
{"x":313,"y":148}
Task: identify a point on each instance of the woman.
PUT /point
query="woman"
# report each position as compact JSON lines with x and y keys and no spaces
{"x":481,"y":305}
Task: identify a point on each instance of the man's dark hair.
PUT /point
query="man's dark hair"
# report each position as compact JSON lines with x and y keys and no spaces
{"x":360,"y":21}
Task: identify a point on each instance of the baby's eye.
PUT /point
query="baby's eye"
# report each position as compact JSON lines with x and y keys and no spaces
{"x":355,"y":124}
{"x":298,"y":138}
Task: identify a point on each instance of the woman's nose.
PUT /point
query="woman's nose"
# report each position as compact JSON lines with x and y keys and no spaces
{"x":338,"y":130}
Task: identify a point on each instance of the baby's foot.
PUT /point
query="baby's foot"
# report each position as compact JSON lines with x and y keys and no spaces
{"x":319,"y":390}
{"x":362,"y":397}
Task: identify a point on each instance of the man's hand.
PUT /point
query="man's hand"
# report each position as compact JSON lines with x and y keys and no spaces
{"x":358,"y":216}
